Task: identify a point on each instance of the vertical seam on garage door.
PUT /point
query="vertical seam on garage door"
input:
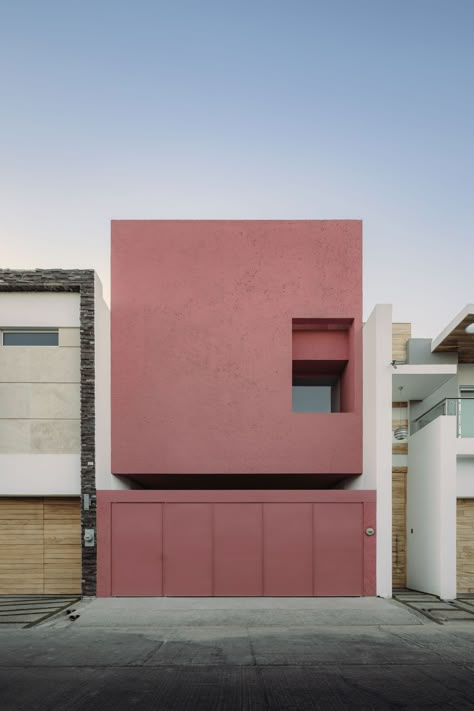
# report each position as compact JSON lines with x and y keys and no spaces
{"x":111,"y":529}
{"x":111,"y":577}
{"x":163,"y":513}
{"x":262,"y":550}
{"x":362,"y":549}
{"x":313,"y":565}
{"x":213,"y":552}
{"x":43,"y":542}
{"x":109,"y":550}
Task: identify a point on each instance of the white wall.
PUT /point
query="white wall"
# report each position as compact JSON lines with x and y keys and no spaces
{"x":431,"y":509}
{"x":377,"y":434}
{"x":40,"y":475}
{"x":39,"y":310}
{"x":465,"y":477}
{"x":104,"y":477}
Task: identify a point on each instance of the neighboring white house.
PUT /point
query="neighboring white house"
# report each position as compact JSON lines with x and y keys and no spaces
{"x":419,"y":453}
{"x":436,"y":380}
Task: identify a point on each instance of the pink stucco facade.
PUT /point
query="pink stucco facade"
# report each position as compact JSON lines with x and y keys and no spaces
{"x":208,"y":320}
{"x":217,"y":327}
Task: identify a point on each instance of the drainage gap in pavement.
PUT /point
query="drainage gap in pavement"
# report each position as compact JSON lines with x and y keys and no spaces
{"x":29,"y":610}
{"x":435,"y":609}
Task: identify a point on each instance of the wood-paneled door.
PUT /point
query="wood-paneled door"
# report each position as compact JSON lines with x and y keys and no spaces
{"x":465,"y":546}
{"x":40,"y":545}
{"x":399,"y":534}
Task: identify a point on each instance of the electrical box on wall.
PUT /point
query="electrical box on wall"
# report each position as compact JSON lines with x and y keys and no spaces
{"x":89,"y":537}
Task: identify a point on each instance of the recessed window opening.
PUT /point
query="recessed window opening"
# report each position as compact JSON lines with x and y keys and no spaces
{"x":30,"y":338}
{"x":315,"y":393}
{"x":321,"y":351}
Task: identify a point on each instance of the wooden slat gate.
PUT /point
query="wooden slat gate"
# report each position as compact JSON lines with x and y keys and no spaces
{"x":465,"y":545}
{"x":40,"y":545}
{"x":399,"y":538}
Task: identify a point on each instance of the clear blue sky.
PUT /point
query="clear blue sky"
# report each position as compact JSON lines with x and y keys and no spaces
{"x":245,"y":109}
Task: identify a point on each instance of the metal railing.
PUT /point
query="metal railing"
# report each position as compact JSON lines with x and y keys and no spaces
{"x":460,"y":407}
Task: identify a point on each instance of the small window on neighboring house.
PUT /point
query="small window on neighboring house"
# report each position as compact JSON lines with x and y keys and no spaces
{"x":30,"y":338}
{"x":466,"y":411}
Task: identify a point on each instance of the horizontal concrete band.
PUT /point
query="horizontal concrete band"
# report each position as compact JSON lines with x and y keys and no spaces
{"x":320,"y":495}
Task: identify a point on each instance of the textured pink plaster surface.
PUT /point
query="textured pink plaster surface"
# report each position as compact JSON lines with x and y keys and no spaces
{"x":320,"y":345}
{"x":202,"y":345}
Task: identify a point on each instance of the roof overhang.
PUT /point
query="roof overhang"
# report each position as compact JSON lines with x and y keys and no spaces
{"x":454,"y":338}
{"x":419,"y":381}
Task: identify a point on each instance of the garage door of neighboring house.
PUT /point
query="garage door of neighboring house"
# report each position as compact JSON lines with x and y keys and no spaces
{"x":239,"y":548}
{"x":465,"y":545}
{"x":399,"y":535}
{"x":40,"y":546}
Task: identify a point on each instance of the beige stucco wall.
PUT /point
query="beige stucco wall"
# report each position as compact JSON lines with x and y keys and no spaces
{"x":39,"y":364}
{"x":39,"y":436}
{"x":39,"y":385}
{"x":39,"y":401}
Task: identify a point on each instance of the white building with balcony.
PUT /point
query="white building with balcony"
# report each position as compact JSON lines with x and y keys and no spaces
{"x":423,"y":468}
{"x":437,"y":382}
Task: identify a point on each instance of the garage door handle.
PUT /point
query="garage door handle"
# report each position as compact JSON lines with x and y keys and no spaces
{"x":369,"y":531}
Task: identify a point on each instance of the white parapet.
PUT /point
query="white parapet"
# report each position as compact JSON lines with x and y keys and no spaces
{"x":40,"y":475}
{"x":104,"y":477}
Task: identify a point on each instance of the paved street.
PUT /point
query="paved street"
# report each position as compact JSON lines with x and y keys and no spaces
{"x":212,"y":654}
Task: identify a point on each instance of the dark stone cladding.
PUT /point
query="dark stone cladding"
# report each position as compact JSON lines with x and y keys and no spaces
{"x":82,"y":282}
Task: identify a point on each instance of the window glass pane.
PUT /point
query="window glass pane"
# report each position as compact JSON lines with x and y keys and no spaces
{"x":30,"y":338}
{"x":311,"y":398}
{"x":466,"y":413}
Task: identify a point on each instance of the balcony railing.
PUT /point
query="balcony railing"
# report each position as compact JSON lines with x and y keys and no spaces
{"x":460,"y":407}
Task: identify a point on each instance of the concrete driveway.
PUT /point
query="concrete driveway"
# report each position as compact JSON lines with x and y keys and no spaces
{"x":171,"y":612}
{"x":170,"y":653}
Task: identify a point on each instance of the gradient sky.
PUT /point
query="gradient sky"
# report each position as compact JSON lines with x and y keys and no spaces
{"x":245,"y":109}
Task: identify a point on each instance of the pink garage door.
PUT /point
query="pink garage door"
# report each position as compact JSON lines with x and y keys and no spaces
{"x":235,"y":549}
{"x":137,"y":550}
{"x":187,"y":549}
